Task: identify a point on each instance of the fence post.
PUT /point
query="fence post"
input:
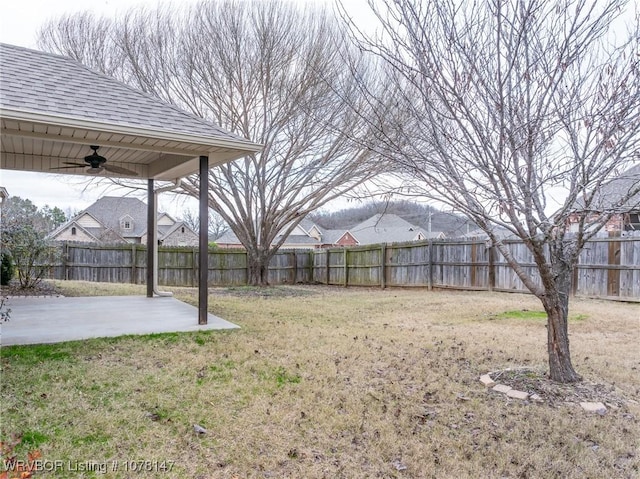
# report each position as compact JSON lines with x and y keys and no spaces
{"x":133,"y":263}
{"x":492,"y":267}
{"x":328,"y":265}
{"x":474,"y":260}
{"x":430,"y":267}
{"x":383,"y":265}
{"x":613,"y":274}
{"x":346,"y":267}
{"x":65,"y":261}
{"x":312,"y":259}
{"x":295,"y":267}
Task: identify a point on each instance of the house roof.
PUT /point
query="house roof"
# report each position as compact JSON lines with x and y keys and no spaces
{"x":306,"y":224}
{"x":229,"y":237}
{"x":166,"y":230}
{"x":386,"y":228}
{"x":611,"y":192}
{"x":109,"y":210}
{"x":53,"y":108}
{"x":332,"y":236}
{"x":298,"y":240}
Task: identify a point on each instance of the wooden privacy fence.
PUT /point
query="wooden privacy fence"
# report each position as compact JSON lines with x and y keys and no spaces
{"x":177,"y":266}
{"x":608,"y":268}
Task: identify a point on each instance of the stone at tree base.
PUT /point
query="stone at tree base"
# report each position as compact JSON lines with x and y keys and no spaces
{"x":514,"y":393}
{"x":487,"y":381}
{"x":501,"y":388}
{"x":597,"y":407}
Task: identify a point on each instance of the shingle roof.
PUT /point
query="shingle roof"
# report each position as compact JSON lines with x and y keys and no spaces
{"x":166,"y":230}
{"x":306,"y":224}
{"x":332,"y":236}
{"x":108,"y":210}
{"x":36,"y":81}
{"x":385,"y":228}
{"x":612,"y":191}
{"x":298,"y":239}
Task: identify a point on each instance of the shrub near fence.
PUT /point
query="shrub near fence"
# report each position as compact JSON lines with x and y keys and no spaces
{"x":608,"y":268}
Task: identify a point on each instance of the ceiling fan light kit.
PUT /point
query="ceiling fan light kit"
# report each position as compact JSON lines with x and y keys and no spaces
{"x":97,"y":164}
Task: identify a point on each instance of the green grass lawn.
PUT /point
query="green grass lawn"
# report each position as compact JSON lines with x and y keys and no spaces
{"x":331,"y":382}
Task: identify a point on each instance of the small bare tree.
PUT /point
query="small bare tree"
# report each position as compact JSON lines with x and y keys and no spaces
{"x":515,"y":113}
{"x":266,"y":70}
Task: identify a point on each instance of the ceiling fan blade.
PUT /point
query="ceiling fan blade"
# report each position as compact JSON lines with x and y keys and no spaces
{"x":118,"y":169}
{"x":73,"y":165}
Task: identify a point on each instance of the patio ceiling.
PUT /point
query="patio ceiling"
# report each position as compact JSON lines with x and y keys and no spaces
{"x":52,"y":109}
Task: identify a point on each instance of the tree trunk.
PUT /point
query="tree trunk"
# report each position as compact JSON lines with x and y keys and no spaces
{"x":556,"y":305}
{"x":258,"y":268}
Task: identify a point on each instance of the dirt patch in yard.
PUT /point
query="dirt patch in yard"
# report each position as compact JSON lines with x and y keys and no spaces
{"x":265,"y":292}
{"x":43,"y":288}
{"x":556,"y":394}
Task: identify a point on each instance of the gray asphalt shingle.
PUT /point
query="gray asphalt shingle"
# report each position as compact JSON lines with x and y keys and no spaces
{"x":45,"y":83}
{"x":385,"y":228}
{"x":615,"y":189}
{"x":110,"y":209}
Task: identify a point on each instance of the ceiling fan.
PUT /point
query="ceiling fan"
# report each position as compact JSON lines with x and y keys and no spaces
{"x":96,"y":164}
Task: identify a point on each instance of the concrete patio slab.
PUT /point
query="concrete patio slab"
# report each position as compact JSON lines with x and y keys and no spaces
{"x":58,"y":319}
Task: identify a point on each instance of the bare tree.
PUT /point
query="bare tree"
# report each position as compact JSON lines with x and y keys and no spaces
{"x":217,"y":226}
{"x":516,"y":113}
{"x":266,"y":70}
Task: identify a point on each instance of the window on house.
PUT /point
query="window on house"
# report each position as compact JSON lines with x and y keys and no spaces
{"x":633,"y":223}
{"x":73,"y":231}
{"x":182,"y":230}
{"x":126,"y":223}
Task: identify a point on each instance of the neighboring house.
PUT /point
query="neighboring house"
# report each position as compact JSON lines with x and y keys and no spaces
{"x":304,"y":236}
{"x":626,"y":216}
{"x":379,"y":228}
{"x":122,"y":220}
{"x":389,"y":228}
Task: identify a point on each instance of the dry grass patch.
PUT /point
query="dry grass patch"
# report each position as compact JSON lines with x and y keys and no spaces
{"x":327,"y":382}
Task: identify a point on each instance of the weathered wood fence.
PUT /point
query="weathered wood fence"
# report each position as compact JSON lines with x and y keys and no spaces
{"x":177,"y":266}
{"x":608,"y":268}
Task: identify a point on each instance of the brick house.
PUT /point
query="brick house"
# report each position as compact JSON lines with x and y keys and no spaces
{"x":122,"y":220}
{"x":626,"y":217}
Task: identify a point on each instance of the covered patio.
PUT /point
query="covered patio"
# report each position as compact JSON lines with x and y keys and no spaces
{"x":55,"y":113}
